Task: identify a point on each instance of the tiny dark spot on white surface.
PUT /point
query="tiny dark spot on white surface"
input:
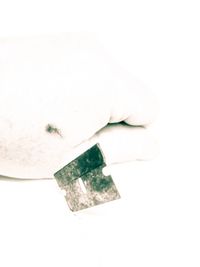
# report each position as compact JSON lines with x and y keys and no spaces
{"x":52,"y":129}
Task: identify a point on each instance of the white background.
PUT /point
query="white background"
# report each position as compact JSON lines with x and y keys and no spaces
{"x":157,"y":222}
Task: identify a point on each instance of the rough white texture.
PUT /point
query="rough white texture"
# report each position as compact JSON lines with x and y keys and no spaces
{"x":66,"y":80}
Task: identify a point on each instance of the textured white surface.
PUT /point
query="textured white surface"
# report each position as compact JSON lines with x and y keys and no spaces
{"x":65,"y":80}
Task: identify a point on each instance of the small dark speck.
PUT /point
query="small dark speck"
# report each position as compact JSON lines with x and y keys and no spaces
{"x":52,"y":130}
